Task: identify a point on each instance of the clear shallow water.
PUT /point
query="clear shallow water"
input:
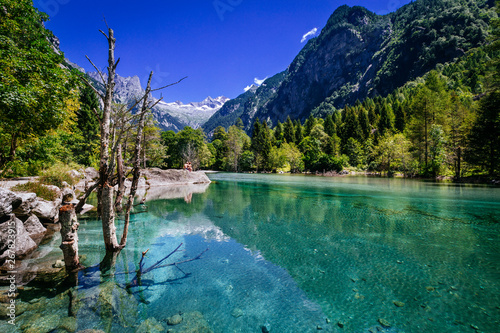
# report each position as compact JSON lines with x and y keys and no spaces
{"x":295,"y":252}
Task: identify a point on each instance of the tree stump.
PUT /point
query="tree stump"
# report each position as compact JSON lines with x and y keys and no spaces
{"x":69,"y":237}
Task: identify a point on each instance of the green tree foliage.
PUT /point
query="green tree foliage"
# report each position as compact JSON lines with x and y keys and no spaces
{"x":236,"y":142}
{"x":484,"y":141}
{"x":289,"y":131}
{"x":34,"y":87}
{"x":86,"y":134}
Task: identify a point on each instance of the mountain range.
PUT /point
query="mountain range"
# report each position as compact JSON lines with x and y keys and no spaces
{"x":361,"y":54}
{"x":358,"y":54}
{"x":170,"y":116}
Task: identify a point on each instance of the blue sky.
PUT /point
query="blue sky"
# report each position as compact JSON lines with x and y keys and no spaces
{"x":222,"y":46}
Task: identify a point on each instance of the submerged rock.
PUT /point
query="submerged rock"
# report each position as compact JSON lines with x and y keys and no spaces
{"x":106,"y":302}
{"x":174,"y":320}
{"x":236,"y":313}
{"x":384,"y":322}
{"x":44,"y":324}
{"x":68,"y":324}
{"x":150,"y":325}
{"x":399,"y":304}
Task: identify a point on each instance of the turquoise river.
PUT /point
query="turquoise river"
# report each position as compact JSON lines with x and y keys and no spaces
{"x":288,"y":254}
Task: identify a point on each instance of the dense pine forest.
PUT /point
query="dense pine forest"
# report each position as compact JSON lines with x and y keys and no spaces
{"x":444,"y":123}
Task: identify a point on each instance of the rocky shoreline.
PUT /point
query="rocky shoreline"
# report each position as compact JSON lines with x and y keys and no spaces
{"x":26,"y":221}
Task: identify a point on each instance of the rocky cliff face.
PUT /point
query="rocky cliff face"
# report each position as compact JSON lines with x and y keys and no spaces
{"x":360,"y":54}
{"x":341,"y":59}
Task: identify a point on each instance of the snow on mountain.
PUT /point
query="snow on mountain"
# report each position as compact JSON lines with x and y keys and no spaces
{"x":169,"y":115}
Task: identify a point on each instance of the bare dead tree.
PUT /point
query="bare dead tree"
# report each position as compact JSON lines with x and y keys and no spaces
{"x":106,"y":183}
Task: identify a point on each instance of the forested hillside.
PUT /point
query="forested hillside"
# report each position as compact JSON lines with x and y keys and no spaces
{"x":415,"y":92}
{"x":360,"y":54}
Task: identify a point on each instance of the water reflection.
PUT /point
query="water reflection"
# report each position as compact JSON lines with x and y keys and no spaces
{"x":287,"y":252}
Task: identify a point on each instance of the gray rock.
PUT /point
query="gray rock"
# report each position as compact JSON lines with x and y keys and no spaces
{"x":22,"y":244}
{"x":35,"y":228}
{"x":91,"y":174}
{"x":46,"y":211}
{"x":55,"y":189}
{"x":26,"y":206}
{"x":67,"y":194}
{"x":236,"y":313}
{"x":174,"y":320}
{"x":8,"y":202}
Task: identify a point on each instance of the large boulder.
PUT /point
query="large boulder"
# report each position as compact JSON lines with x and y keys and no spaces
{"x":21,"y":244}
{"x":47,"y":211}
{"x":158,"y":177}
{"x":28,"y":202}
{"x":35,"y":228}
{"x":8,"y":202}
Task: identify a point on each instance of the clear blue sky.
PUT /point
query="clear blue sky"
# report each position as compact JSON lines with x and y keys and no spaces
{"x":221,"y":45}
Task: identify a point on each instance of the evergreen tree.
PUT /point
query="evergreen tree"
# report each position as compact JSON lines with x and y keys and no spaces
{"x":299,"y":133}
{"x":278,"y":134}
{"x":309,"y":124}
{"x":386,"y":122}
{"x":484,"y":141}
{"x":88,"y":127}
{"x":329,"y":126}
{"x":289,"y":131}
{"x":350,"y":125}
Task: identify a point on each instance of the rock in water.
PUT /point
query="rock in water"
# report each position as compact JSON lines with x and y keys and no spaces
{"x":174,"y":320}
{"x":384,"y":322}
{"x":236,"y":313}
{"x":399,"y":304}
{"x":35,"y":228}
{"x":150,"y":325}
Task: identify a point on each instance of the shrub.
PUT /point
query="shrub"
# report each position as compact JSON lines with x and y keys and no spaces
{"x":57,"y":174}
{"x":39,"y":189}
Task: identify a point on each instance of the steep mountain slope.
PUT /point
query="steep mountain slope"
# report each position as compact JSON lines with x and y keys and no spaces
{"x":170,"y":116}
{"x":245,"y":106}
{"x":360,"y":54}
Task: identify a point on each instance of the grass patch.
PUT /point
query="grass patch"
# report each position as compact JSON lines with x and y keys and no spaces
{"x":39,"y":189}
{"x":57,"y":174}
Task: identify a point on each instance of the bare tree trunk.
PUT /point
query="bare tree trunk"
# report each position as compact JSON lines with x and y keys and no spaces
{"x":69,"y":237}
{"x":136,"y":171}
{"x":121,"y":179}
{"x":105,"y":196}
{"x":108,"y":219}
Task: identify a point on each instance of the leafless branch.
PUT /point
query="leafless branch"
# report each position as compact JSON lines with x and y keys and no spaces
{"x":90,"y":86}
{"x":169,"y":85}
{"x":102,"y":32}
{"x":97,"y":69}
